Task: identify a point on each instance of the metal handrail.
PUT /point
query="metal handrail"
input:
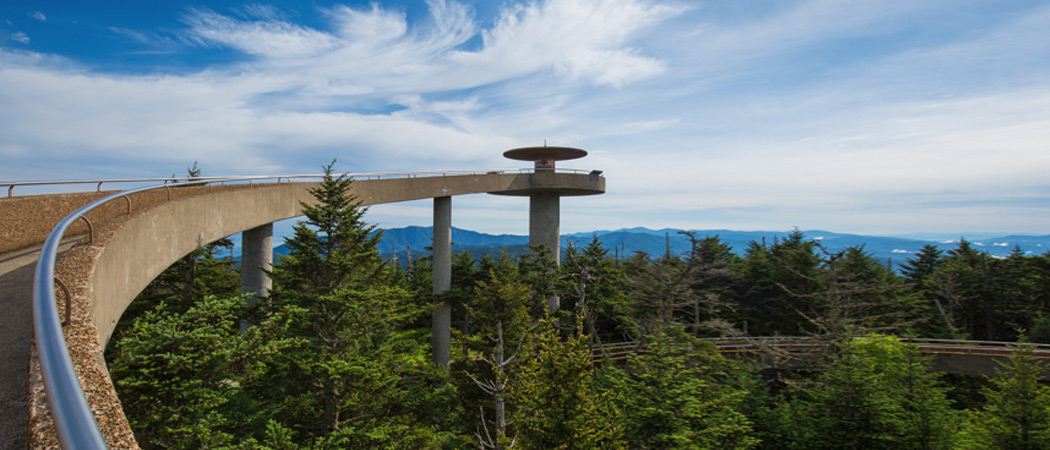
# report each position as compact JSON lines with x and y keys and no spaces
{"x":11,"y":185}
{"x":74,"y":422}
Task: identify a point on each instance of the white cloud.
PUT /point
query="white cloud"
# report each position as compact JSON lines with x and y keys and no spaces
{"x":897,"y":250}
{"x":265,"y":38}
{"x":375,"y":27}
{"x":21,"y":37}
{"x":263,"y":11}
{"x":817,"y":113}
{"x":38,"y":16}
{"x":374,"y":50}
{"x":576,"y":38}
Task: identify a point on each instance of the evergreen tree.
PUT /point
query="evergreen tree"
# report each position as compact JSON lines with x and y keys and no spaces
{"x":681,"y":293}
{"x":859,"y":296}
{"x":963,"y":286}
{"x":780,"y":280}
{"x":346,"y":384}
{"x":180,"y":375}
{"x":874,"y":393}
{"x":597,"y":289}
{"x":498,"y":310}
{"x":556,"y":405}
{"x":673,"y":394}
{"x":1016,"y":413}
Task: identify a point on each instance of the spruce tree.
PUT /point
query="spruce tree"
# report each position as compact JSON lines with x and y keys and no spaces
{"x":674,"y":394}
{"x":344,"y":385}
{"x":557,"y":407}
{"x":873,"y":393}
{"x":1016,"y":413}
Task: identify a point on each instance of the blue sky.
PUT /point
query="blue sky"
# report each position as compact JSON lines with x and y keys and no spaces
{"x":866,"y":117}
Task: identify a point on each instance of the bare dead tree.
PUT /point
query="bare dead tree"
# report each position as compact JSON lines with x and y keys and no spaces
{"x":497,"y":388}
{"x":848,"y":304}
{"x":675,"y":292}
{"x":948,"y":288}
{"x":581,"y":279}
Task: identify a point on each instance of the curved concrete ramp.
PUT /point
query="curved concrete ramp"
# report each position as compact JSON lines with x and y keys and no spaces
{"x":110,"y":273}
{"x":149,"y":243}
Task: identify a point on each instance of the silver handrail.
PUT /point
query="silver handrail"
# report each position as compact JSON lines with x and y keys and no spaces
{"x":74,"y":422}
{"x":11,"y":185}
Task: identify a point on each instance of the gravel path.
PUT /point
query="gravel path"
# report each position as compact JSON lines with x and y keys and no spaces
{"x":16,"y":334}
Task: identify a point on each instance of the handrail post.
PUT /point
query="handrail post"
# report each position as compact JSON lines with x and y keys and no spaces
{"x":69,"y":301}
{"x":91,"y":230}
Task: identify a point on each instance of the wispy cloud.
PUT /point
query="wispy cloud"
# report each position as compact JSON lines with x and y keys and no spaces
{"x":580,"y":39}
{"x":264,"y":38}
{"x":829,"y":114}
{"x":21,"y":37}
{"x":38,"y":16}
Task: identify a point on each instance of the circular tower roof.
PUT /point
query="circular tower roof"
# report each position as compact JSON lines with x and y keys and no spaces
{"x":549,"y":153}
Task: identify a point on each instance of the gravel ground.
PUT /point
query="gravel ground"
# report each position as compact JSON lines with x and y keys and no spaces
{"x":16,"y":332}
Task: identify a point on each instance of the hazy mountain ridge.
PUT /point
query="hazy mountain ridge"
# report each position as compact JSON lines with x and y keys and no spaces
{"x":654,"y":242}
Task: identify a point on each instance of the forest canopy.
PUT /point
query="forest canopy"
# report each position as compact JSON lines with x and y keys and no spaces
{"x":338,"y":354}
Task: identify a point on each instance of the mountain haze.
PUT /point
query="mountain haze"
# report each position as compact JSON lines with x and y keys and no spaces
{"x":655,"y":242}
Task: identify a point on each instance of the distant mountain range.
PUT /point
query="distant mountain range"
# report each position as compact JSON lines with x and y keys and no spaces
{"x":895,"y":249}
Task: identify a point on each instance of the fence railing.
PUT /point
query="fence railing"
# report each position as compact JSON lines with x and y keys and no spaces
{"x":620,"y":350}
{"x":98,"y":183}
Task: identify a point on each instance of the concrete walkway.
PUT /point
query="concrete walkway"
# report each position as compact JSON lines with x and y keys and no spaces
{"x":16,"y":334}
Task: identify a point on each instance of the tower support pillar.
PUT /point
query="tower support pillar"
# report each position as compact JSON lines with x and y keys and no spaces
{"x":256,"y":260}
{"x":545,"y":229}
{"x":442,"y":274}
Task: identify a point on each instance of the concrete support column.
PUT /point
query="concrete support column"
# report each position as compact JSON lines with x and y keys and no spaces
{"x":545,"y":229}
{"x":256,"y":257}
{"x":442,"y":317}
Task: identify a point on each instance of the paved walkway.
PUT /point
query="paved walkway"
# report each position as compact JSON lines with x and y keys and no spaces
{"x":16,"y":334}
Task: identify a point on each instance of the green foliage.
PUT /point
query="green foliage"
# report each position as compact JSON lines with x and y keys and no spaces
{"x":780,"y":280}
{"x":1016,"y":414}
{"x":874,"y":393}
{"x":673,"y":395}
{"x":681,"y":293}
{"x":347,"y":384}
{"x":502,"y":297}
{"x":339,"y":356}
{"x":539,"y":271}
{"x":596,"y":286}
{"x":180,"y":376}
{"x":557,"y":407}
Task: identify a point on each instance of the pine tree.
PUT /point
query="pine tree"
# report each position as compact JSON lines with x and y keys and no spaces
{"x":498,"y":310}
{"x":923,"y":265}
{"x":345,"y":384}
{"x":556,"y":405}
{"x":180,"y":375}
{"x":596,"y":288}
{"x":874,"y":393}
{"x":1016,"y":413}
{"x":781,"y":278}
{"x":673,"y":394}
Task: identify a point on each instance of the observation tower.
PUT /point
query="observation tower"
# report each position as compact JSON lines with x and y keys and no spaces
{"x":545,"y":191}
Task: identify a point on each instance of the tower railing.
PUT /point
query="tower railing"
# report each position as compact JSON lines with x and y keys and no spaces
{"x":172,"y":181}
